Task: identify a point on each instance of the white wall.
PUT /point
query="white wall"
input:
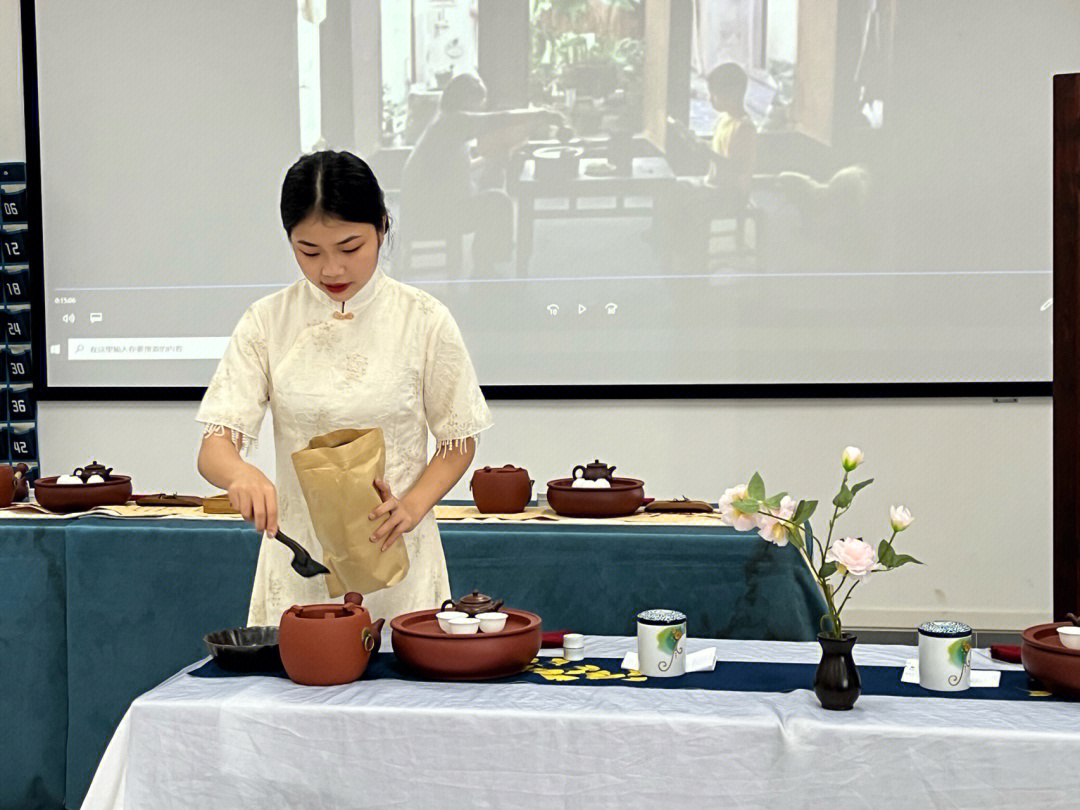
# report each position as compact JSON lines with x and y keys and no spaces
{"x":976,"y":475}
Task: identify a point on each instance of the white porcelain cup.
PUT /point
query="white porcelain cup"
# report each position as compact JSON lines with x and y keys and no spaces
{"x":945,"y":656}
{"x":444,"y":617}
{"x":661,"y":641}
{"x":491,"y":622}
{"x":463,"y":627}
{"x":1070,"y":636}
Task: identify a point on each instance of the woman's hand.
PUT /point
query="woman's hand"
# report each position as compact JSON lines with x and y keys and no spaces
{"x":253,"y":495}
{"x":400,"y":518}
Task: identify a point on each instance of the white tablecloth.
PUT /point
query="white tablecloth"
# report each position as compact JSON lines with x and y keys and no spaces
{"x":268,"y":743}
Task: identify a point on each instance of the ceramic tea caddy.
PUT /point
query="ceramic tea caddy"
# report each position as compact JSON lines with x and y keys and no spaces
{"x":505,"y":489}
{"x":323,"y":645}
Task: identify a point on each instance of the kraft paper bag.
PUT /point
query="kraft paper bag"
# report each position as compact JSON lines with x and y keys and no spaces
{"x":337,"y":475}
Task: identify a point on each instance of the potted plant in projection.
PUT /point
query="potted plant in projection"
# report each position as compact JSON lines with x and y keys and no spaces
{"x":835,"y":564}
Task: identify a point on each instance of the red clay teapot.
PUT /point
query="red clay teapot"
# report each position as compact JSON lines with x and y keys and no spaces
{"x":13,"y":484}
{"x":323,"y":645}
{"x":503,"y":489}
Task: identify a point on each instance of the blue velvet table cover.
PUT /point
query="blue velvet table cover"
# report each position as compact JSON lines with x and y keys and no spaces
{"x":94,"y":612}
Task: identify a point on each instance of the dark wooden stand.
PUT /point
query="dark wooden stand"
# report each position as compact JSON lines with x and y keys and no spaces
{"x":1066,"y":344}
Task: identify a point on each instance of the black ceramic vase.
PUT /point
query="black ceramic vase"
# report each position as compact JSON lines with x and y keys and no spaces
{"x":836,"y":682}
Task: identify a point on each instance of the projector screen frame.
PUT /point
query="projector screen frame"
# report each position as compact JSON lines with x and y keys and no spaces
{"x":998,"y":390}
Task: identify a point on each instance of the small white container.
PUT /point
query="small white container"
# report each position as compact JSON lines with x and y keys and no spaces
{"x":445,"y":616}
{"x":1070,"y":636}
{"x":463,"y":627}
{"x":573,"y":646}
{"x":944,"y":656}
{"x":491,"y":622}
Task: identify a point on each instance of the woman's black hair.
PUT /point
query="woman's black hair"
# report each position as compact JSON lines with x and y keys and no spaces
{"x":338,"y":184}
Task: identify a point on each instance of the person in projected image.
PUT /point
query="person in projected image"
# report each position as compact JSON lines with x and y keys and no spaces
{"x":440,"y":193}
{"x":681,"y":225}
{"x":343,"y":347}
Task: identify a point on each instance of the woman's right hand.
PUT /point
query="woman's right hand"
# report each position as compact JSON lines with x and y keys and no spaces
{"x":253,"y":495}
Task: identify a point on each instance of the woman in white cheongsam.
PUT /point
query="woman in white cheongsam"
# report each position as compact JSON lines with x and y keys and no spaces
{"x":345,"y":346}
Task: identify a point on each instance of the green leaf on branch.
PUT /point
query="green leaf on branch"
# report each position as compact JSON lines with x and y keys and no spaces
{"x":774,"y":501}
{"x":756,"y":488}
{"x":748,"y":505}
{"x":886,"y":555}
{"x":843,"y":497}
{"x":855,"y":488}
{"x":827,"y":570}
{"x":796,"y":539}
{"x":803,"y":511}
{"x":904,"y":559}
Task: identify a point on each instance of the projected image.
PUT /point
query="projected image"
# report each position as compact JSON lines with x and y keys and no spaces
{"x":602,"y":191}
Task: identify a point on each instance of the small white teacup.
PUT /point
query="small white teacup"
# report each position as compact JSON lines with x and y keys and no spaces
{"x":445,"y":616}
{"x":1070,"y":636}
{"x":463,"y":627}
{"x":491,"y":622}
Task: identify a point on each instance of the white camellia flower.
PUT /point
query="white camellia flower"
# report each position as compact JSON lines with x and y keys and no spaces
{"x":772,"y":527}
{"x":852,"y":555}
{"x":743,"y":521}
{"x":851,"y":458}
{"x":899,"y":517}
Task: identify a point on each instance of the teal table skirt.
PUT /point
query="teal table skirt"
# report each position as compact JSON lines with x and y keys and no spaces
{"x":95,"y":612}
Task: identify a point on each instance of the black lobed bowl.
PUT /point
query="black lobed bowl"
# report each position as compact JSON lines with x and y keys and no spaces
{"x":245,"y":649}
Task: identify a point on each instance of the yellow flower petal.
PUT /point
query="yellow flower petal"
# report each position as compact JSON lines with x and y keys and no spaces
{"x":559,"y":661}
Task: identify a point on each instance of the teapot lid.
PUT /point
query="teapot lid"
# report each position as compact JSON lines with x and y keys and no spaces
{"x":475,"y":598}
{"x":506,"y":468}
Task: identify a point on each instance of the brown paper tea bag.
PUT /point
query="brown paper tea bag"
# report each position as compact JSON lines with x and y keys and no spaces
{"x":337,"y":473}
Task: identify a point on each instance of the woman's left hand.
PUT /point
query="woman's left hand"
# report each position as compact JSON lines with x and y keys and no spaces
{"x":400,"y":518}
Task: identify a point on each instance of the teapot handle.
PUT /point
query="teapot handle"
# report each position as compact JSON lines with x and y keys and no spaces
{"x":574,"y":474}
{"x":368,"y":638}
{"x":449,"y":602}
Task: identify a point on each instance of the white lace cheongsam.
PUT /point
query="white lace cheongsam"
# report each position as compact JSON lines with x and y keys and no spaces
{"x":390,"y":357}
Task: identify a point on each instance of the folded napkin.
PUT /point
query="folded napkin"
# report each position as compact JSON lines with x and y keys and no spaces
{"x":553,"y":639}
{"x":1006,"y":652}
{"x":700,"y":661}
{"x":979,"y":677}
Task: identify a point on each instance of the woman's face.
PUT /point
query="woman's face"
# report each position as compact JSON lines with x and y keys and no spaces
{"x":337,"y":257}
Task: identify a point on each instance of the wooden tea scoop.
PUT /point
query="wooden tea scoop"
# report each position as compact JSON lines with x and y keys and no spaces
{"x":301,"y":561}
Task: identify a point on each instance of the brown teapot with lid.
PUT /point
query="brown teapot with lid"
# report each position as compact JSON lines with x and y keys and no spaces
{"x":93,"y":469}
{"x":595,"y":471}
{"x":473,"y":604}
{"x":505,"y":489}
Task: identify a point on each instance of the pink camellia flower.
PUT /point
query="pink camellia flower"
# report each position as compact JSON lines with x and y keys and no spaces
{"x":772,"y":526}
{"x":852,"y":555}
{"x":743,"y":521}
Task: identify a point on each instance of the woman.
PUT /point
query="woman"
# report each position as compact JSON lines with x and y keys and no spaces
{"x":453,"y":203}
{"x":343,"y":347}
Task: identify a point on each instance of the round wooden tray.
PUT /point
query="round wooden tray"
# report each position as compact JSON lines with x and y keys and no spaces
{"x":420,"y":644}
{"x":114,"y":491}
